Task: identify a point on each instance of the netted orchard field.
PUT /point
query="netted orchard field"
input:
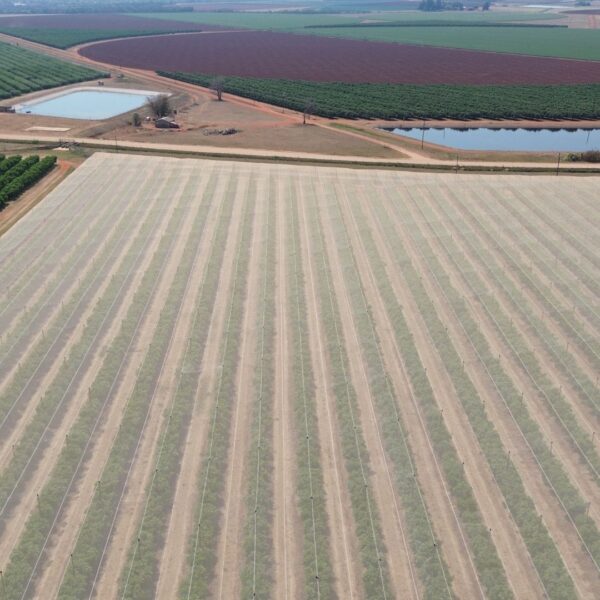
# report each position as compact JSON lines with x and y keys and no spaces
{"x":235,"y":380}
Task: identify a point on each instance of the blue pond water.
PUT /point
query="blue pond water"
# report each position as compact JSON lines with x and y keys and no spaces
{"x":86,"y":104}
{"x":528,"y":140}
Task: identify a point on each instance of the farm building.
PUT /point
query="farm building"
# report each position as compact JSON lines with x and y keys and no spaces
{"x":166,"y":123}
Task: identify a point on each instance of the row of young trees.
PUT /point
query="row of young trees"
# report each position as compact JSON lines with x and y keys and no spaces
{"x":257,"y":573}
{"x":476,"y":237}
{"x":17,"y":175}
{"x":545,"y":557}
{"x":518,"y":348}
{"x":71,"y":280}
{"x":202,"y":556}
{"x":21,"y":571}
{"x":408,"y":101}
{"x":318,"y":571}
{"x":567,"y":320}
{"x":24,"y":71}
{"x":94,"y":535}
{"x":551,"y":468}
{"x":367,"y":520}
{"x":581,"y":247}
{"x":489,"y":568}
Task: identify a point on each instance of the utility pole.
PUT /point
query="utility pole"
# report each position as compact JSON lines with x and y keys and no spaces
{"x":558,"y":164}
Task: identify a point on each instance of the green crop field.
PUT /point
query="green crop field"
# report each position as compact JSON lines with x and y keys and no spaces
{"x":291,"y":21}
{"x":65,"y":38}
{"x":23,"y":71}
{"x":538,"y":41}
{"x":399,"y":101}
{"x":225,"y":379}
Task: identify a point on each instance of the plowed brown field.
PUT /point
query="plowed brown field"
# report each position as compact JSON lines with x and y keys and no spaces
{"x":274,"y":55}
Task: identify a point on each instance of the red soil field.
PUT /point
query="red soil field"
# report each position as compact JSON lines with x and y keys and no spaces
{"x":99,"y":21}
{"x":314,"y":58}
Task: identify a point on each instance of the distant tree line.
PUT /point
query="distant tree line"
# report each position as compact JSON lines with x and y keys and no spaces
{"x":438,"y":5}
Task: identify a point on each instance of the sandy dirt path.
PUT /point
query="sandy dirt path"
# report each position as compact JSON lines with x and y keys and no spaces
{"x":287,"y":531}
{"x":230,"y":548}
{"x":509,"y":544}
{"x":344,"y":545}
{"x":394,"y":544}
{"x":565,"y":539}
{"x":173,"y":562}
{"x":73,"y":518}
{"x":250,"y":153}
{"x":35,"y":483}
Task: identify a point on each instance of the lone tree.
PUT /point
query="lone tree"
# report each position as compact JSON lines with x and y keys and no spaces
{"x":217,"y":85}
{"x":309,"y":108}
{"x":160,"y":106}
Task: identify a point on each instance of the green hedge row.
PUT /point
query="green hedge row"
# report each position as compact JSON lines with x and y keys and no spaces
{"x":544,"y":554}
{"x":489,"y":567}
{"x":211,"y":483}
{"x":404,"y":101}
{"x":8,"y":163}
{"x":35,"y":171}
{"x":24,"y":71}
{"x":21,"y":571}
{"x":17,"y":170}
{"x":257,"y":573}
{"x":563,"y":360}
{"x":368,"y":529}
{"x":94,"y":536}
{"x":318,"y":570}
